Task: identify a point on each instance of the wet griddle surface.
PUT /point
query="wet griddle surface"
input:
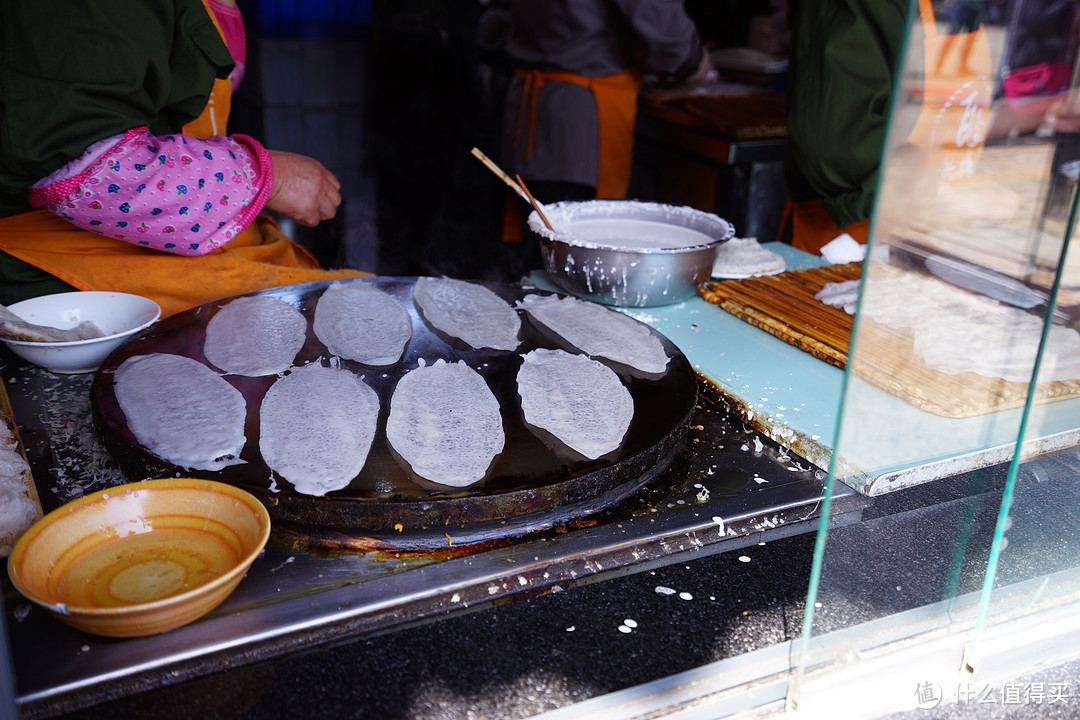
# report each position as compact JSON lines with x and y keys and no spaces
{"x":530,"y":486}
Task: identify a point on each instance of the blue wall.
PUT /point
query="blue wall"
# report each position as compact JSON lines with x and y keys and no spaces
{"x":314,"y":19}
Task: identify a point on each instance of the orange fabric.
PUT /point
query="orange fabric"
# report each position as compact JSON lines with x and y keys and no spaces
{"x":216,"y":113}
{"x":957,"y":90}
{"x":259,"y":257}
{"x":513,"y":218}
{"x":616,"y":109}
{"x":812,"y":228}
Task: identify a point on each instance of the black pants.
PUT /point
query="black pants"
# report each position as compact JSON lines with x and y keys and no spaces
{"x":20,"y":280}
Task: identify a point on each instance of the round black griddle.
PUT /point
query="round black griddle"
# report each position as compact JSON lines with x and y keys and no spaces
{"x":533,"y":484}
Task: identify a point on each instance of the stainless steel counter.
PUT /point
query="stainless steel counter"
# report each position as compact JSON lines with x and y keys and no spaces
{"x":728,"y":488}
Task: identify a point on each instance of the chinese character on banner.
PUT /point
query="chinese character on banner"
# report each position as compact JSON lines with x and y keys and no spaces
{"x":1012,"y":693}
{"x":954,"y":120}
{"x":1036,"y":693}
{"x":1058,"y":693}
{"x":927,"y":694}
{"x":987,"y":696}
{"x":964,"y":694}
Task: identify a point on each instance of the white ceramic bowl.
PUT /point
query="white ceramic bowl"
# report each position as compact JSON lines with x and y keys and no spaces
{"x":118,"y":314}
{"x":629,"y":253}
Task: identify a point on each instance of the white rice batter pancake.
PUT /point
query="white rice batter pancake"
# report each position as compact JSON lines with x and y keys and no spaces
{"x":316,"y":427}
{"x":470,"y":312}
{"x":17,"y":513}
{"x":254,"y":335}
{"x":578,"y":400}
{"x":843,"y":295}
{"x":12,"y":465}
{"x":956,"y":331}
{"x":744,"y":257}
{"x":17,"y":510}
{"x":181,"y":410}
{"x":360,"y":322}
{"x":598,"y":331}
{"x":445,"y":422}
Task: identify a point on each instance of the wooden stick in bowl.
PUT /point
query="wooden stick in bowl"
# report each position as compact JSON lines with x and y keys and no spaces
{"x":535,"y":203}
{"x":522,"y":192}
{"x":499,"y":171}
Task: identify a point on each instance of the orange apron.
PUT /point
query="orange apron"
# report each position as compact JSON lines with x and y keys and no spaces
{"x":616,"y":109}
{"x":955,"y":116}
{"x":812,"y":228}
{"x":616,"y":98}
{"x":259,"y":257}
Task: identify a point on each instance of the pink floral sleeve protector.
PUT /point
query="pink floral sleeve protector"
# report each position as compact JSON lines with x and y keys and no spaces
{"x":174,"y":193}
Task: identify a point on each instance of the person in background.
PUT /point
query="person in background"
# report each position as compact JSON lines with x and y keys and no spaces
{"x":841,"y":68}
{"x":964,"y":18}
{"x":115,"y":173}
{"x":570,"y":109}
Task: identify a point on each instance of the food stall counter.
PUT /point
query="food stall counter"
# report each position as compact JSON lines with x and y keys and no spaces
{"x":727,"y":487}
{"x":793,"y":397}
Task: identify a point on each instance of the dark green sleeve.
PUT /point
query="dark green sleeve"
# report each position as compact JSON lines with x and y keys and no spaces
{"x":75,"y":72}
{"x":844,"y":58}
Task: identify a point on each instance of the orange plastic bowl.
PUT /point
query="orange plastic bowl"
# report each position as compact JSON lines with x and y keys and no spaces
{"x":143,"y":558}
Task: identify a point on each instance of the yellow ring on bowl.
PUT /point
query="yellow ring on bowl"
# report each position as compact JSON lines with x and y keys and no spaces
{"x":141,"y":558}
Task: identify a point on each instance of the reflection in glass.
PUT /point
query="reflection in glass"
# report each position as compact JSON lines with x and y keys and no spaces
{"x":960,"y":412}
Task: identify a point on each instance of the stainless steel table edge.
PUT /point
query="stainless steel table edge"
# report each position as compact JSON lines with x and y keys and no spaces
{"x":285,"y":606}
{"x":119,"y":668}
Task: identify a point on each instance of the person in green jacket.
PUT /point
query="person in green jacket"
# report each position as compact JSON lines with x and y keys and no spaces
{"x":116,"y":172}
{"x":842,"y":66}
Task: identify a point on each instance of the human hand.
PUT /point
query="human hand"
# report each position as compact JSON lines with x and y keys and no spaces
{"x":303,"y":189}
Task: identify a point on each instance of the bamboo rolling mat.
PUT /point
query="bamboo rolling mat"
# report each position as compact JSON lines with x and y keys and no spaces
{"x":784,"y":306}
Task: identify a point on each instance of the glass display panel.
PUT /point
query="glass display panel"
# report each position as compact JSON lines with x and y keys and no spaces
{"x":960,"y":410}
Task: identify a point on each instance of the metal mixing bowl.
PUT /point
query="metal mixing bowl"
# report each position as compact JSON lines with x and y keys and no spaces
{"x":629,"y":253}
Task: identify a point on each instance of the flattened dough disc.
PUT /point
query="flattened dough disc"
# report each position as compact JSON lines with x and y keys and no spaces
{"x":316,"y":427}
{"x":470,"y":312}
{"x":445,"y":422}
{"x":255,"y":335}
{"x":181,"y":410}
{"x":360,"y":322}
{"x":580,"y":401}
{"x":599,"y":331}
